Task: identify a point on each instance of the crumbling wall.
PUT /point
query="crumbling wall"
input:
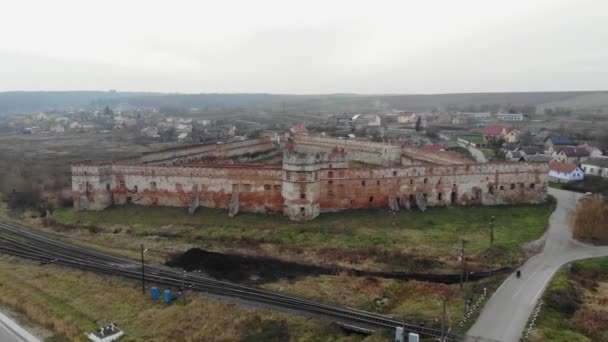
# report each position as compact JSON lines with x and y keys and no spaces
{"x":416,"y":156}
{"x":304,"y":185}
{"x":195,"y":153}
{"x":92,"y":186}
{"x":487,"y":184}
{"x":365,"y":151}
{"x":260,"y":186}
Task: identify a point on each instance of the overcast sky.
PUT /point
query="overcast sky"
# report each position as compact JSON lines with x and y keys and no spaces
{"x":304,"y":46}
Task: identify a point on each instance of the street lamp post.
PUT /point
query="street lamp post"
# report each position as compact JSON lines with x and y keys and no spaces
{"x":143,"y":276}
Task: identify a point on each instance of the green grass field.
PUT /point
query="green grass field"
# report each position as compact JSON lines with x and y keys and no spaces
{"x":477,"y":139}
{"x":435,"y":234}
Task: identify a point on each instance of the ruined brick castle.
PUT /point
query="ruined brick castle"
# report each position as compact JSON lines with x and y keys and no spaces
{"x":302,"y":177}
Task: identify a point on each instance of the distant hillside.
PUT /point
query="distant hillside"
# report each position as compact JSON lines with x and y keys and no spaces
{"x":30,"y":101}
{"x":22,"y":102}
{"x":584,"y":101}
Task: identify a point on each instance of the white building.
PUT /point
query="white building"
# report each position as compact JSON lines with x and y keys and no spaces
{"x":565,"y":172}
{"x":596,"y":166}
{"x":367,"y":120}
{"x":481,"y":115}
{"x":510,"y":117}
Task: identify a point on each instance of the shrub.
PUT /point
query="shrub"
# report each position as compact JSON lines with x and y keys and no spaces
{"x":564,"y":299}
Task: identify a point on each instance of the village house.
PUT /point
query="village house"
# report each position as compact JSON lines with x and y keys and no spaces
{"x":531,"y":150}
{"x":512,"y":136}
{"x":407,"y":117}
{"x":514,"y":155}
{"x":493,"y":133}
{"x":482,"y":115}
{"x":596,"y":166}
{"x":536,"y":158}
{"x":363,"y":120}
{"x":593,"y":151}
{"x":554,"y":142}
{"x":565,"y":172}
{"x":571,"y":154}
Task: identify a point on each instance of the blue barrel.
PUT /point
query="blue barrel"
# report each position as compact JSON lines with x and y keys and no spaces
{"x":154,"y":293}
{"x":167,"y":296}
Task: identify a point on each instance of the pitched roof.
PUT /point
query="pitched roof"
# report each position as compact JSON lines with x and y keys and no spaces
{"x":587,"y":147}
{"x":597,"y":161}
{"x":510,"y":147}
{"x":516,"y":154}
{"x":562,"y":167}
{"x":493,"y":130}
{"x":537,"y":158}
{"x":298,"y":129}
{"x":559,"y":140}
{"x":531,"y":149}
{"x":571,"y":151}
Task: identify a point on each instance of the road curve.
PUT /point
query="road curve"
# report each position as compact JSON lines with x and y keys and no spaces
{"x":505,"y":315}
{"x":477,"y":154}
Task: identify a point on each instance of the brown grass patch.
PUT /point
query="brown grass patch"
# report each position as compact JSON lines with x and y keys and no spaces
{"x":589,"y":220}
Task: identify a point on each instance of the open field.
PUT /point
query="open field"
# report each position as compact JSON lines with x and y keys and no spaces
{"x":372,"y":239}
{"x":42,"y":161}
{"x":575,"y":304}
{"x":70,"y":302}
{"x":411,"y":300}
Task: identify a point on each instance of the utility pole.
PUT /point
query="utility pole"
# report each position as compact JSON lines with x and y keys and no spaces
{"x":143,"y":277}
{"x":492,"y":220}
{"x":443,"y":322}
{"x":184,"y":286}
{"x":462,"y":267}
{"x":464,"y":274}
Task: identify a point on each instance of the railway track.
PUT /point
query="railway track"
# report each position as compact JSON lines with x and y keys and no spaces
{"x":26,"y":244}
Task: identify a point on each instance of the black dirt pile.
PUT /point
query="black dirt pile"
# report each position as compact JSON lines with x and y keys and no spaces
{"x":242,"y":268}
{"x":256,"y":270}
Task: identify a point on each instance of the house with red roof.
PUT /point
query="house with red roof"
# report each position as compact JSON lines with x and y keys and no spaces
{"x":562,"y":172}
{"x":494,"y":132}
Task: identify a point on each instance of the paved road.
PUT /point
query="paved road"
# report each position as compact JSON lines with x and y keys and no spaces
{"x":477,"y":154}
{"x":505,"y":315}
{"x":10,"y":331}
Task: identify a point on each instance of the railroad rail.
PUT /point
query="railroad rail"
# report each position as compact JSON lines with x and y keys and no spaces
{"x":23,"y":243}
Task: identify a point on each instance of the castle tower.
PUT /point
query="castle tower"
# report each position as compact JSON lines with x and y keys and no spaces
{"x":301,"y":187}
{"x":91,"y":186}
